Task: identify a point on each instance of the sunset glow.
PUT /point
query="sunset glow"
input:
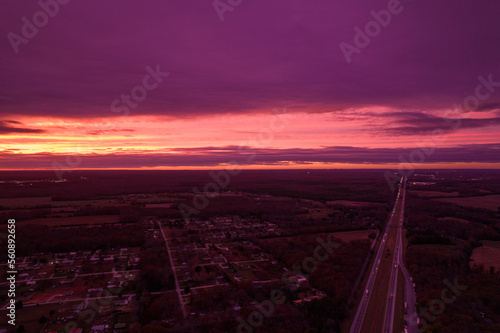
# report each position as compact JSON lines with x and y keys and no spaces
{"x":124,"y":99}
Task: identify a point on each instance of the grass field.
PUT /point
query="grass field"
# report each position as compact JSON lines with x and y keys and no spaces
{"x":74,"y":220}
{"x":353,"y":203}
{"x":491,"y":202}
{"x":319,"y":213}
{"x":159,"y":205}
{"x":29,"y":202}
{"x":97,"y":202}
{"x":454,"y":219}
{"x":434,"y":194}
{"x":487,"y":256}
{"x":24,"y":202}
{"x":347,"y":236}
{"x":445,"y":249}
{"x":399,"y":307}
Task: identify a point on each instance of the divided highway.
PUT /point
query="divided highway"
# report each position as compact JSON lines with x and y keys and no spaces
{"x":376,"y":309}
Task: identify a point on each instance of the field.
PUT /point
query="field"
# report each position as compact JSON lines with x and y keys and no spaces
{"x":487,"y":256}
{"x":75,"y":220}
{"x":434,"y":194}
{"x":495,"y":244}
{"x":347,"y":236}
{"x":344,"y":236}
{"x":12,"y":203}
{"x":28,"y":202}
{"x":454,"y":219}
{"x":159,"y":205}
{"x":353,"y":203}
{"x":490,"y":202}
{"x":431,"y":248}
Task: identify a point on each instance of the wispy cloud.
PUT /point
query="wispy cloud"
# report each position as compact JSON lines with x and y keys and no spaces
{"x":103,"y":131}
{"x":420,"y":123}
{"x":5,"y":128}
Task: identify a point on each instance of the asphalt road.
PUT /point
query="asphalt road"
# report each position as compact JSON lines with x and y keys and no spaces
{"x":409,"y":295}
{"x":363,"y":305}
{"x":397,"y":262}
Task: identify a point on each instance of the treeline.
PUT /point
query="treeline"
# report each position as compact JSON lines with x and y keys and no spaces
{"x":156,"y":272}
{"x":466,"y":223}
{"x":43,"y":239}
{"x":335,"y":276}
{"x":441,"y":238}
{"x":475,"y":306}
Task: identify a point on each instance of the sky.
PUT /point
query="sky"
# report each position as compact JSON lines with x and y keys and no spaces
{"x":189,"y":84}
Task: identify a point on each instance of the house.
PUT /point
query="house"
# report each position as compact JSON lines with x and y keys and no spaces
{"x":99,"y":328}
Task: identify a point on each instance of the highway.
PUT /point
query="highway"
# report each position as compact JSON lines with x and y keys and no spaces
{"x":398,"y":254}
{"x":410,"y":297}
{"x":392,"y":246}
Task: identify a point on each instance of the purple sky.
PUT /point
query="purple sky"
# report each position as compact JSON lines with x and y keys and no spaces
{"x":263,"y":55}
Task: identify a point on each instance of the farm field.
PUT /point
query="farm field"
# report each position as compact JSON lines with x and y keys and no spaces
{"x":490,"y":202}
{"x":454,"y":219}
{"x":347,"y":236}
{"x":495,"y":244}
{"x":353,"y":203}
{"x":487,"y":256}
{"x":74,"y":220}
{"x":29,"y":202}
{"x":26,"y":202}
{"x":434,"y":194}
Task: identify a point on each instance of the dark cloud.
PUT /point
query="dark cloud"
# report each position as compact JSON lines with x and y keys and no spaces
{"x":264,"y":54}
{"x":419,"y":123}
{"x":217,"y":156}
{"x":488,"y":106}
{"x":6,"y":129}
